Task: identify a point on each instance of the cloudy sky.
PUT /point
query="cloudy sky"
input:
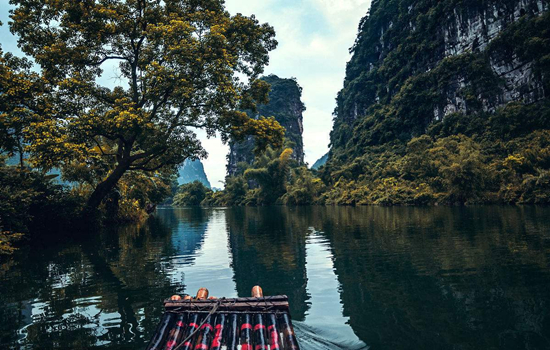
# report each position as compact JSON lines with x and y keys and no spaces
{"x":314,"y":37}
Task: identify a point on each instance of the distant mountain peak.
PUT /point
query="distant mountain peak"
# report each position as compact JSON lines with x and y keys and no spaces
{"x":320,"y":162}
{"x":192,"y":170}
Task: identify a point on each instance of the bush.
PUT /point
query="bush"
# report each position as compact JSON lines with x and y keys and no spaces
{"x":191,"y":194}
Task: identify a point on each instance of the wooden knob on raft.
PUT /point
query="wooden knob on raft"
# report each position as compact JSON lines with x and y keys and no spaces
{"x":257,"y":292}
{"x":202,"y":294}
{"x":175,"y":297}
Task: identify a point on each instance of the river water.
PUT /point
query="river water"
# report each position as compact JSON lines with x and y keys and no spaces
{"x":357,"y":278}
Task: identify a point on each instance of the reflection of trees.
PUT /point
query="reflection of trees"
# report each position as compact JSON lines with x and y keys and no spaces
{"x":106,"y":289}
{"x":432,"y":277}
{"x":268,"y":248}
{"x":410,"y":277}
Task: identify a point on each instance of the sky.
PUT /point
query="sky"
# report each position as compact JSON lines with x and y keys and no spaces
{"x":314,"y":39}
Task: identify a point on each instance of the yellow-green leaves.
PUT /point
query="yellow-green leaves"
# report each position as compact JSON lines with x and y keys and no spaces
{"x":177,"y":65}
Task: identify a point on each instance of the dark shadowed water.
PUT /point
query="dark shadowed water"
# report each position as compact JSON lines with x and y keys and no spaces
{"x":357,"y":278}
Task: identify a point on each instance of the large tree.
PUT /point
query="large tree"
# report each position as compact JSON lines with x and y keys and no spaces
{"x":180,"y":65}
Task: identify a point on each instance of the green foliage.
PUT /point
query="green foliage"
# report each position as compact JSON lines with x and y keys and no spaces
{"x":191,"y":194}
{"x":133,"y":193}
{"x":455,"y":169}
{"x":273,"y":178}
{"x":271,"y":173}
{"x":303,"y":188}
{"x":286,"y":107}
{"x":20,"y":101}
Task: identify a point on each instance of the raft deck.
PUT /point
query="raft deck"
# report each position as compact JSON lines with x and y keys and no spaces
{"x":255,"y":323}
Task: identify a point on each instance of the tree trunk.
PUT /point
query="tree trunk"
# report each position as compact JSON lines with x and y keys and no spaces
{"x":21,"y":160}
{"x":21,"y":155}
{"x":103,"y":189}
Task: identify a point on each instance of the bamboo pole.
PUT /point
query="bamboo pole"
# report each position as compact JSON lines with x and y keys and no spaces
{"x":176,"y":334}
{"x":233,"y":334}
{"x":219,"y":329}
{"x":259,"y":326}
{"x":257,"y":292}
{"x":246,"y":333}
{"x":274,"y":342}
{"x":191,"y":328}
{"x":288,"y":333}
{"x":202,"y":294}
{"x":157,"y":343}
{"x":205,"y":333}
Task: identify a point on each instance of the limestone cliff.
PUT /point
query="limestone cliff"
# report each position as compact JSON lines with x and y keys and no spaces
{"x":417,"y":61}
{"x":444,"y":102}
{"x":192,"y":170}
{"x":320,"y":162}
{"x":286,"y":106}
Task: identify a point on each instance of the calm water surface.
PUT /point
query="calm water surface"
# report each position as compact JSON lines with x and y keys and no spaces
{"x":357,"y":278}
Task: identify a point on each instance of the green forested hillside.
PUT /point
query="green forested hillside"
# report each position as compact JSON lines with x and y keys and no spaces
{"x":446,"y":102}
{"x":277,"y":175}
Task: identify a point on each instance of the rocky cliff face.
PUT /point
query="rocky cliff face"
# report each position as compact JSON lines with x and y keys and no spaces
{"x":286,"y":106}
{"x":192,"y":170}
{"x":415,"y":62}
{"x":473,"y":31}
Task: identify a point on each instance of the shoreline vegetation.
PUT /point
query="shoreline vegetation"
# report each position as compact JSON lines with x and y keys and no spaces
{"x":88,"y":152}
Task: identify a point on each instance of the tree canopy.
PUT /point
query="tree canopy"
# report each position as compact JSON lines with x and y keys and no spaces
{"x":181,"y":65}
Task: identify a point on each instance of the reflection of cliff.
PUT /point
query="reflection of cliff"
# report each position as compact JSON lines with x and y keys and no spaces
{"x":268,"y":249}
{"x":431,"y":278}
{"x":188,"y":226}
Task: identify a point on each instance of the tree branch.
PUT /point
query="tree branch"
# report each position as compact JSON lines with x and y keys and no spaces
{"x":101,"y":149}
{"x":152,"y":169}
{"x":106,"y":58}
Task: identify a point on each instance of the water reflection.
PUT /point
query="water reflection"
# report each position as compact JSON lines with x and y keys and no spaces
{"x":382,"y":278}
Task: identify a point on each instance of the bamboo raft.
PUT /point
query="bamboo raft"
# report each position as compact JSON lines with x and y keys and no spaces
{"x":208,"y":323}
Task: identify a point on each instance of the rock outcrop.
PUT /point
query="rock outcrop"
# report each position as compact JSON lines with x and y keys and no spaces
{"x":192,"y":170}
{"x":286,"y":106}
{"x":416,"y":62}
